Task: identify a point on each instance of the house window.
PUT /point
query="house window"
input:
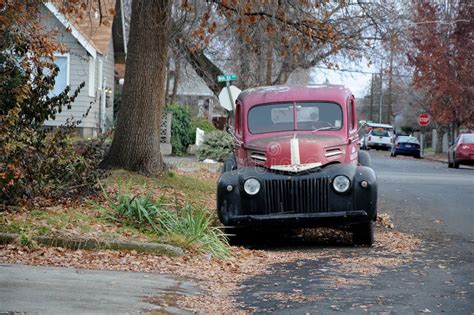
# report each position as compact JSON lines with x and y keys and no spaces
{"x":91,"y":76}
{"x":62,"y":78}
{"x":100,"y":75}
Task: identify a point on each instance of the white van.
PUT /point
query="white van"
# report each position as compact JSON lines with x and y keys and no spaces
{"x":379,"y":136}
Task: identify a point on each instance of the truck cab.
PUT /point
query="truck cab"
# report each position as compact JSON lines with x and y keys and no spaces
{"x":297,"y":163}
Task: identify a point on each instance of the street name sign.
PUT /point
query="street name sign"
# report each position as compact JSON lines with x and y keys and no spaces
{"x":226,"y":77}
{"x":423,"y":120}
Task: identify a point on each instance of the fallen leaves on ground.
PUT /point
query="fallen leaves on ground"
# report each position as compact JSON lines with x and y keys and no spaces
{"x":220,"y":278}
{"x":385,"y":220}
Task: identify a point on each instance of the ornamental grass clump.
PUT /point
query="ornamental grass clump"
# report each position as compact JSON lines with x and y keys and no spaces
{"x":186,"y":226}
{"x":190,"y":228}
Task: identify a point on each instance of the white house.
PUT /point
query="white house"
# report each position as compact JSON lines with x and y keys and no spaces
{"x":93,"y":47}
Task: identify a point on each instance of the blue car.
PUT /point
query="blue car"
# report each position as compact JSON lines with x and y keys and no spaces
{"x":406,"y":145}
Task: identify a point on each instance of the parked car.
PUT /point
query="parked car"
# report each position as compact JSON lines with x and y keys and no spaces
{"x":406,"y":145}
{"x":379,"y":136}
{"x":297,"y":163}
{"x":461,"y":151}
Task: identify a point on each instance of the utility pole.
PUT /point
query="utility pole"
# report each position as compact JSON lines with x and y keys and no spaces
{"x":372,"y":98}
{"x":390,"y":69}
{"x":381,"y":91}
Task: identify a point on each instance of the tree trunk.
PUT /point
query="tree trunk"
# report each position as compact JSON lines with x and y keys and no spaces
{"x":269,"y":68}
{"x":440,"y":131}
{"x":177,"y":75}
{"x":167,"y":87}
{"x":136,"y":143}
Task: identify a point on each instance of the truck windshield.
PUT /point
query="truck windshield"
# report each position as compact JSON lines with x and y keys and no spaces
{"x":281,"y":117}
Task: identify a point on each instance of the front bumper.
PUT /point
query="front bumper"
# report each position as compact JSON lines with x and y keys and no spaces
{"x":304,"y":199}
{"x":407,"y":151}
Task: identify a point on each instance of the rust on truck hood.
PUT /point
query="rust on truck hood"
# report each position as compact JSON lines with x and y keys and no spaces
{"x":297,"y":152}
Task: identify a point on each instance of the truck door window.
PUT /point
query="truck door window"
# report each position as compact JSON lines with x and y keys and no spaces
{"x":238,"y":119}
{"x":350,"y":114}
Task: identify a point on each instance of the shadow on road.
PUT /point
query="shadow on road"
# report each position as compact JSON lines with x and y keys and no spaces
{"x":272,"y":239}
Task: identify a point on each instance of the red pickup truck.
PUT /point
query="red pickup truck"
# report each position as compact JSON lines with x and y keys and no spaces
{"x":297,"y":163}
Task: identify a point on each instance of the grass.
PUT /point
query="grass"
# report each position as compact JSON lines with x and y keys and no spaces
{"x":171,"y":208}
{"x":428,"y":150}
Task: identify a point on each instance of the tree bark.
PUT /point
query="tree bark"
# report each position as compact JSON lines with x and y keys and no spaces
{"x":440,"y":131}
{"x":136,"y":143}
{"x":269,"y":66}
{"x":177,"y":75}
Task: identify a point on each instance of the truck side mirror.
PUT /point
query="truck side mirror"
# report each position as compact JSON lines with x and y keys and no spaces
{"x":230,"y":129}
{"x":362,"y":124}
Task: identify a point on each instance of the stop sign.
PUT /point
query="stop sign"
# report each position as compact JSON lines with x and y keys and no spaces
{"x":424,"y":120}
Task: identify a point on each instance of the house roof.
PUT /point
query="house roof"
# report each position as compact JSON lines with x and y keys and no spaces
{"x":190,"y":83}
{"x":87,"y":27}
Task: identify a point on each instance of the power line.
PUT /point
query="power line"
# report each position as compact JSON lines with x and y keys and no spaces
{"x":358,"y":71}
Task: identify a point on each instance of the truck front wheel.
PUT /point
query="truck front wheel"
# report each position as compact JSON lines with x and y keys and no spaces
{"x":363,"y":233}
{"x":364,"y":158}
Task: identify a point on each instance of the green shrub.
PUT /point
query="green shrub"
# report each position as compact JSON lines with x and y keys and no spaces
{"x":203,"y":124}
{"x":217,"y":145}
{"x":181,"y":128}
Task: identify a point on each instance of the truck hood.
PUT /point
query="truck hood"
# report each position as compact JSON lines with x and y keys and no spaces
{"x":296,"y":153}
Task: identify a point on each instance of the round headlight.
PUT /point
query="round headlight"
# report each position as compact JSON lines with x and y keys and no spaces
{"x":341,"y":183}
{"x":252,"y":186}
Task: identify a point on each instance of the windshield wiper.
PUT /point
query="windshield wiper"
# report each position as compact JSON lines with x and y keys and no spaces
{"x":323,"y":128}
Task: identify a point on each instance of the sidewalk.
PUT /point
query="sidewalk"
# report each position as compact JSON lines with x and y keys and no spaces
{"x":191,"y":164}
{"x":44,"y":290}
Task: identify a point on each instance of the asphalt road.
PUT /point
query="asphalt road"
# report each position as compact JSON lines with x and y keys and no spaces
{"x":425,"y":199}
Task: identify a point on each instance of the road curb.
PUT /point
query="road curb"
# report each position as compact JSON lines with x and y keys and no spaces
{"x":91,"y":244}
{"x":427,"y":157}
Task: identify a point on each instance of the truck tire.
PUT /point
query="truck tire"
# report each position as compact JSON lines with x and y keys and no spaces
{"x":363,"y":233}
{"x":229,"y":164}
{"x":238,"y":236}
{"x":364,"y":159}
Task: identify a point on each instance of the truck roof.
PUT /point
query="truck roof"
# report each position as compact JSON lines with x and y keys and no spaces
{"x":377,"y":125}
{"x":291,"y":93}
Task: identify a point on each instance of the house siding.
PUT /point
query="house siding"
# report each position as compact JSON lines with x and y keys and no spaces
{"x":78,"y":73}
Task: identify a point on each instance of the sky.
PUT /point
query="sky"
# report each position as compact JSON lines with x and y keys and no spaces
{"x":357,"y":82}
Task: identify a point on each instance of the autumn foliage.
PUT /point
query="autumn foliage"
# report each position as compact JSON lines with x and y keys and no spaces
{"x":33,"y":161}
{"x":443,"y":62}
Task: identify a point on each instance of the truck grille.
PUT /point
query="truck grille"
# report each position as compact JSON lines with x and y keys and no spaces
{"x":297,"y":195}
